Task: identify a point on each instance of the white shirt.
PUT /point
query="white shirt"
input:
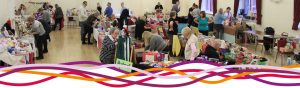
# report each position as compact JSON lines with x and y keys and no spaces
{"x":83,"y":15}
{"x":228,"y":15}
{"x":111,"y":38}
{"x":189,"y":53}
{"x":38,"y":28}
{"x":196,"y":12}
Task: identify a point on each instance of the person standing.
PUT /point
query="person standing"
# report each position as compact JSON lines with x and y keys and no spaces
{"x":124,"y":18}
{"x":88,"y":26}
{"x":122,"y":7}
{"x":202,"y":22}
{"x":228,"y":14}
{"x":218,"y":23}
{"x":23,"y":10}
{"x":176,"y":8}
{"x":39,"y":14}
{"x":108,"y":49}
{"x":108,"y":11}
{"x":59,"y":16}
{"x":46,"y":21}
{"x":99,"y":8}
{"x":38,"y":31}
{"x":159,"y":7}
{"x":191,"y":48}
{"x":83,"y":15}
{"x":190,"y":16}
{"x":173,"y":29}
{"x":195,"y":14}
{"x":140,"y":27}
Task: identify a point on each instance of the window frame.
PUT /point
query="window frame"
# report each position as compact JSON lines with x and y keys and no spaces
{"x":207,"y":6}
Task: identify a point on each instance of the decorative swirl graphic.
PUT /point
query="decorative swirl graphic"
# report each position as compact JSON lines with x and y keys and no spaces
{"x":72,"y":71}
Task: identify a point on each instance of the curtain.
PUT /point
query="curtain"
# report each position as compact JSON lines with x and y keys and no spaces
{"x":215,"y":8}
{"x":236,"y":7}
{"x":258,"y":9}
{"x":200,"y":3}
{"x":174,"y":1}
{"x":296,"y":14}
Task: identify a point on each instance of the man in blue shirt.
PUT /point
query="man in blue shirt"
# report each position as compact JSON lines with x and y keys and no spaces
{"x":218,"y":24}
{"x":108,"y":11}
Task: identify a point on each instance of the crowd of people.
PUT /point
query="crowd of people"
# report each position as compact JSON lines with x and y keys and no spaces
{"x":41,"y":23}
{"x":41,"y":27}
{"x":144,"y":31}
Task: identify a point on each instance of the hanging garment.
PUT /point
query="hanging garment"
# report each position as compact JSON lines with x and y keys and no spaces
{"x":176,"y":45}
{"x":123,"y":48}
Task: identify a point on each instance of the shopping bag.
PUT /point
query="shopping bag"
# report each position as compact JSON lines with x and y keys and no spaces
{"x":31,"y":58}
{"x":150,"y":57}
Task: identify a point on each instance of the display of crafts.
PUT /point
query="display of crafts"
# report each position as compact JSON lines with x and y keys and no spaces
{"x":16,"y":48}
{"x":229,"y":54}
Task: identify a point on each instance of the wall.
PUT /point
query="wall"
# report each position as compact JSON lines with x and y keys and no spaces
{"x":4,"y":12}
{"x":138,"y":6}
{"x":277,"y":15}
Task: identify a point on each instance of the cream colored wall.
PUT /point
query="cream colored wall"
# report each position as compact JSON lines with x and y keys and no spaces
{"x":4,"y":12}
{"x":226,"y":3}
{"x":276,"y":15}
{"x":279,"y":16}
{"x":139,"y":7}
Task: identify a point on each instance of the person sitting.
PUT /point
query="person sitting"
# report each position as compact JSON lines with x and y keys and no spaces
{"x":191,"y":49}
{"x":109,"y":43}
{"x":154,"y":42}
{"x":88,"y":27}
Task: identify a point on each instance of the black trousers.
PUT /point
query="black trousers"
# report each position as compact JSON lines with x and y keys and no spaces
{"x":87,"y":32}
{"x":57,"y":21}
{"x":219,"y":28}
{"x":204,"y":32}
{"x":41,"y":44}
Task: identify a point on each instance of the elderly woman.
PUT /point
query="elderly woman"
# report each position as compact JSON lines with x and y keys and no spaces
{"x":109,"y":43}
{"x":154,"y":42}
{"x":191,"y":49}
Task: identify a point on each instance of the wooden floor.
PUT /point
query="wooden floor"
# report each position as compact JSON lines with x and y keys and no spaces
{"x":66,"y":47}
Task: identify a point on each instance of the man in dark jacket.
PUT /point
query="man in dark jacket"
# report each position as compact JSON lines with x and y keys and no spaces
{"x":59,"y":16}
{"x":88,"y":26}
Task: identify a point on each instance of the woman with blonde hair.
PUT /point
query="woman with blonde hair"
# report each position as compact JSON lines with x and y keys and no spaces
{"x":191,"y":49}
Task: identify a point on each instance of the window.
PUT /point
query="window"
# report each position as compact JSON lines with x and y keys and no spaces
{"x":247,"y":9}
{"x":207,"y":6}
